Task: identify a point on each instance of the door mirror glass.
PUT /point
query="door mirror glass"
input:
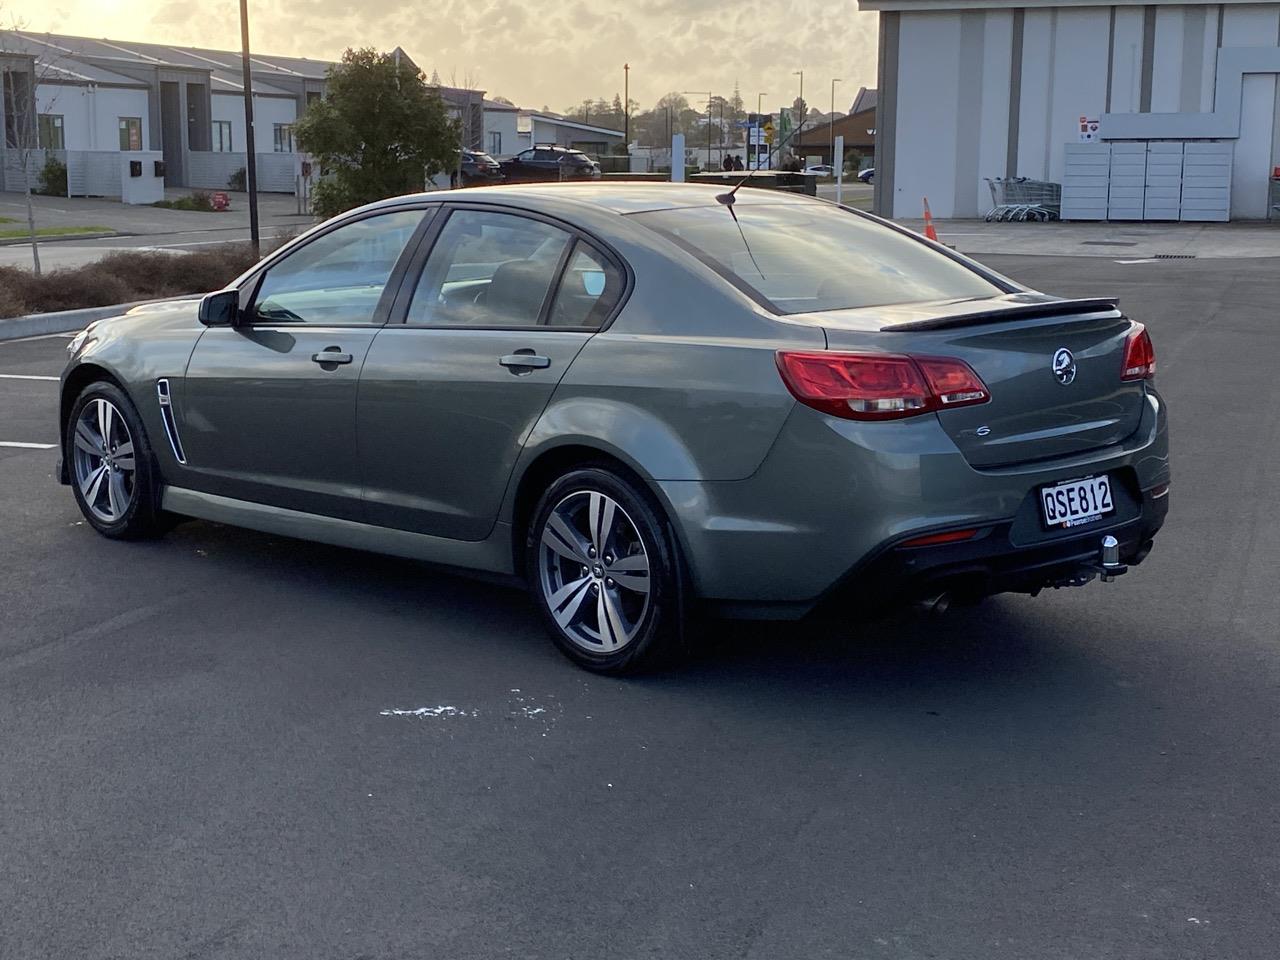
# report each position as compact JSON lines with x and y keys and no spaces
{"x":220,"y":309}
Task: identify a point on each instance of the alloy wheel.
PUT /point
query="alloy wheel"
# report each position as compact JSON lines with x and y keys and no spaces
{"x":594,"y":572}
{"x":104,"y":461}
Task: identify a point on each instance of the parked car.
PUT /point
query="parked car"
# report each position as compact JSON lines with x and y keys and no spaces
{"x":821,"y":170}
{"x":476,"y":169}
{"x":868,"y":175}
{"x":640,"y":400}
{"x":549,"y":162}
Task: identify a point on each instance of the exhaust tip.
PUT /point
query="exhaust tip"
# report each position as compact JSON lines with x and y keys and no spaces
{"x":936,"y":605}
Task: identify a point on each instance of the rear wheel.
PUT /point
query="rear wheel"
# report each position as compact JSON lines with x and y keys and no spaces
{"x":604,"y":573}
{"x":110,"y":465}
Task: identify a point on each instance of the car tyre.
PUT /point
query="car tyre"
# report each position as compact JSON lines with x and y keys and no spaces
{"x":605,"y":572}
{"x":111,"y":467}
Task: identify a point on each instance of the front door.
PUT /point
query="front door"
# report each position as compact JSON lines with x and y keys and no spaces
{"x":268,"y":410}
{"x":500,"y":309}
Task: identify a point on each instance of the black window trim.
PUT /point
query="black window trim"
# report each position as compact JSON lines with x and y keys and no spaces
{"x":413,"y":272}
{"x":250,"y":286}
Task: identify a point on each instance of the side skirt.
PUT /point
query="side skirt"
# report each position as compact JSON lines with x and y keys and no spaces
{"x":492,"y":555}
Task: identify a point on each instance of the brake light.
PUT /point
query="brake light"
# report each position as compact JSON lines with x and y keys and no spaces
{"x":879,"y":386}
{"x":1139,"y":355}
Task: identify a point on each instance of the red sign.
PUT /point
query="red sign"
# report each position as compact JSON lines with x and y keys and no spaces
{"x":220,"y":201}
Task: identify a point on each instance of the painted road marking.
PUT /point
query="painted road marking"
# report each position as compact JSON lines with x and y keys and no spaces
{"x":27,"y":446}
{"x":23,"y":376}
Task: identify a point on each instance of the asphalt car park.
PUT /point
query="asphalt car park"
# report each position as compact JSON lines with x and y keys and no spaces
{"x":226,"y":744}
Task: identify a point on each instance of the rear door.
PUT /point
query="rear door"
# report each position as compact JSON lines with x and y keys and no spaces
{"x":485,"y":326}
{"x":268,"y":409}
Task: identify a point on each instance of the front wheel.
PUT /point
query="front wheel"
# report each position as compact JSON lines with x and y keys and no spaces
{"x":110,"y":466}
{"x":604,"y":572}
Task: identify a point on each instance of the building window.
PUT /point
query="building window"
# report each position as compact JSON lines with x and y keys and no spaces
{"x":51,"y":137}
{"x":495,"y":142}
{"x":282,"y":137}
{"x":130,"y":133}
{"x":222,"y":136}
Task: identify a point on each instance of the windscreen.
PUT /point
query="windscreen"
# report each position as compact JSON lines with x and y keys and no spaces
{"x":803,"y":257}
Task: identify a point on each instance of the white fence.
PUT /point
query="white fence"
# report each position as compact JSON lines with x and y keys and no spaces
{"x":277,"y":172}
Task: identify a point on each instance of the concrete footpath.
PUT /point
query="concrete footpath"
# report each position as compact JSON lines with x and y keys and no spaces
{"x":1122,"y":242}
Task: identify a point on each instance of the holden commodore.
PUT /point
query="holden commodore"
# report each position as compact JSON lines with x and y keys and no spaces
{"x":642,"y":400}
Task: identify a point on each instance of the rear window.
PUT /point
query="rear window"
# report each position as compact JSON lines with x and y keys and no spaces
{"x":801,"y":257}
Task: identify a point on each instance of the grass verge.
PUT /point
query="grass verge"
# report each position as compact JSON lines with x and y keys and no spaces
{"x":9,"y":233}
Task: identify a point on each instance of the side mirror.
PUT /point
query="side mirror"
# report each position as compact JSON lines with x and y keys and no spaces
{"x":220,"y":309}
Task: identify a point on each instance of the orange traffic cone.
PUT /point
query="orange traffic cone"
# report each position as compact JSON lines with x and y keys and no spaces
{"x":929,"y":232}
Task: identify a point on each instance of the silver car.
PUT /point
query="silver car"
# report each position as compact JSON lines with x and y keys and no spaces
{"x":642,"y":400}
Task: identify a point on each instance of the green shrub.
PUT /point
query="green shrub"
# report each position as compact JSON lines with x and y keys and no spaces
{"x":53,"y":177}
{"x":238,"y":181}
{"x":122,"y":277}
{"x":200,"y":201}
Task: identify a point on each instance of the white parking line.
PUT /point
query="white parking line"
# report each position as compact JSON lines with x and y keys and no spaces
{"x":23,"y":376}
{"x":44,"y":336}
{"x":27,"y":446}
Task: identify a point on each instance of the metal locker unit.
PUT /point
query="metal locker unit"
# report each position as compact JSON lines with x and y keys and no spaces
{"x":1206,"y":181}
{"x":1162,"y":199}
{"x":1084,"y":181}
{"x":1128,"y":183}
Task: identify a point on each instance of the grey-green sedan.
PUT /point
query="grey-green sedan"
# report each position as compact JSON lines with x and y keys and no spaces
{"x":642,"y":400}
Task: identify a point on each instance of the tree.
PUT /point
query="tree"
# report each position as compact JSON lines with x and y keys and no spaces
{"x":380,"y":131}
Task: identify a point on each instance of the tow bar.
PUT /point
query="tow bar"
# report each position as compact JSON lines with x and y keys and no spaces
{"x":1111,"y":565}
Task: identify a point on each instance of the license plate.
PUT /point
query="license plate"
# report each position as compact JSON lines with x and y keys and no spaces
{"x":1076,"y":502}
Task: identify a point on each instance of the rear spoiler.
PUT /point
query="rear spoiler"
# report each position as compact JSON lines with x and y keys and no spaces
{"x":1021,"y":311}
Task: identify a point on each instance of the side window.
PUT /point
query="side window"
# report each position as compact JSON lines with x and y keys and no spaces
{"x":337,"y":278}
{"x":524,"y":156}
{"x":589,"y":290}
{"x":545,"y":156}
{"x":488,"y":270}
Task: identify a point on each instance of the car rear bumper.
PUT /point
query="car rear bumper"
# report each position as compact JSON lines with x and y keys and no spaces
{"x":993,"y":562}
{"x":834,"y":498}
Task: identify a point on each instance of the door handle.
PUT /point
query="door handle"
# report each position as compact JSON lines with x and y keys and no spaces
{"x":527,"y":359}
{"x":331,"y":355}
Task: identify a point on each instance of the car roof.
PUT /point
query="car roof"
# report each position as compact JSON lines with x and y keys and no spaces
{"x":621,"y":197}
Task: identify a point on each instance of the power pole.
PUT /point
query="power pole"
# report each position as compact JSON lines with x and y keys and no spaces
{"x":250,"y":162}
{"x":626,"y":108}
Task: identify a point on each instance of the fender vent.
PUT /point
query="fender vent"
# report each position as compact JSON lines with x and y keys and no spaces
{"x":170,"y":425}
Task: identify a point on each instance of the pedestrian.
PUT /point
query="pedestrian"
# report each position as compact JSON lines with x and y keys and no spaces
{"x":726,"y":163}
{"x":737,"y":163}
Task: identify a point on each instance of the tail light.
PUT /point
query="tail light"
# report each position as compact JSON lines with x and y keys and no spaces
{"x":878,"y":386}
{"x":1139,"y":355}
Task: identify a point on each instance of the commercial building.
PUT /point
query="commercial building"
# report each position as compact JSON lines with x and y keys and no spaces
{"x":858,"y":129}
{"x":536,"y":127}
{"x":1164,"y":110}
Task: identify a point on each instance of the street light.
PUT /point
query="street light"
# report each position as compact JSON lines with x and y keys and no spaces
{"x":709,"y":99}
{"x":834,"y":81}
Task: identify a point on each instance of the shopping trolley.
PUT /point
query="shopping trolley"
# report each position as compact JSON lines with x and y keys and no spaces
{"x":1021,"y":198}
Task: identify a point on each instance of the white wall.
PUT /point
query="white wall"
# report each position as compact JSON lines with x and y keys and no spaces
{"x":267,"y":111}
{"x":91,"y":114}
{"x":952,"y":90}
{"x":504,"y":123}
{"x":1250,"y":27}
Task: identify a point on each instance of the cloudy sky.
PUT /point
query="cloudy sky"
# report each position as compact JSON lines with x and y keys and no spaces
{"x":536,"y":54}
